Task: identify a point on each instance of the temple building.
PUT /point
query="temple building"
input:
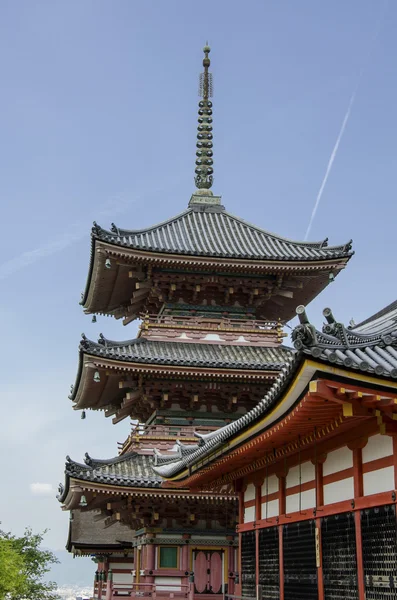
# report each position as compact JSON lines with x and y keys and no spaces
{"x":213,"y":293}
{"x":315,"y":467}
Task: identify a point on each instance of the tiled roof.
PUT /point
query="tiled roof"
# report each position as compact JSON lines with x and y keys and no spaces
{"x":335,"y":344}
{"x":383,"y":318}
{"x":373,"y":351}
{"x":146,"y":351}
{"x":130,"y":470}
{"x":211,"y":231}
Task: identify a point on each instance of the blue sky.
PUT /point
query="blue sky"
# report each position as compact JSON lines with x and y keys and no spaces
{"x":98,"y":122}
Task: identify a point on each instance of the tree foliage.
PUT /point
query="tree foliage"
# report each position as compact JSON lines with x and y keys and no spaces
{"x":23,"y":563}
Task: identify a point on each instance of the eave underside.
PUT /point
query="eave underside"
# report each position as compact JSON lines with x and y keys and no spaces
{"x":136,"y":390}
{"x":132,"y":285}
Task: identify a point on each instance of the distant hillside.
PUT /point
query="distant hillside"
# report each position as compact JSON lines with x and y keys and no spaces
{"x":72,"y":571}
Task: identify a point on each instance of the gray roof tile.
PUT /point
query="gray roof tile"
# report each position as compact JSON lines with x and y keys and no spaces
{"x":146,"y":351}
{"x":129,"y":470}
{"x":211,"y":231}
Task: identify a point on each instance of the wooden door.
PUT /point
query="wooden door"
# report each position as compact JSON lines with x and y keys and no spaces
{"x":208,"y":571}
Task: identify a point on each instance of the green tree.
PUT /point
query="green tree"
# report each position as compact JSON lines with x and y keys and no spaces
{"x":22,"y":567}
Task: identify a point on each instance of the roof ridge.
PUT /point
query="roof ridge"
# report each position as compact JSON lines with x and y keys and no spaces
{"x":111,"y":461}
{"x":117,"y":230}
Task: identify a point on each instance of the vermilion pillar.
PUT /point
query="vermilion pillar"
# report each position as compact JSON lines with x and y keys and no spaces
{"x":319,"y":560}
{"x":150,"y":562}
{"x":358,"y":492}
{"x":281,"y":560}
{"x":231,"y":569}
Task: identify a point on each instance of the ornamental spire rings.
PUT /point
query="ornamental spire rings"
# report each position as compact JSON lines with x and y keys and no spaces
{"x":204,"y":162}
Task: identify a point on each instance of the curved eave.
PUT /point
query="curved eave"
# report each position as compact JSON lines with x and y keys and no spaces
{"x":77,"y":487}
{"x":85,"y":387}
{"x":107,"y":290}
{"x":198,"y":469}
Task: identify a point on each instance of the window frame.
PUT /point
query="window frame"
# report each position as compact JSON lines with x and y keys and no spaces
{"x":160,"y":566}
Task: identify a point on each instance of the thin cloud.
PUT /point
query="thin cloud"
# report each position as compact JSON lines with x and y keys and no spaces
{"x":346,"y":118}
{"x":42,"y":489}
{"x":31,"y":256}
{"x":79,"y":231}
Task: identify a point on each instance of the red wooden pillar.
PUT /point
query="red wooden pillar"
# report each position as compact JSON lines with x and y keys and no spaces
{"x":319,"y":479}
{"x":150,"y":562}
{"x":238,"y":586}
{"x":258,"y":516}
{"x":241,"y":521}
{"x":185,"y":553}
{"x":319,"y":560}
{"x":281,"y":493}
{"x":257,"y":557}
{"x":395,"y":460}
{"x":231,"y":569}
{"x":185,"y":558}
{"x":358,"y":492}
{"x":359,"y":550}
{"x":258,"y":501}
{"x":281,"y":560}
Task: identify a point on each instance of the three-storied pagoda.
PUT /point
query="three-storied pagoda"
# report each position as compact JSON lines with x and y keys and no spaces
{"x":213,"y":293}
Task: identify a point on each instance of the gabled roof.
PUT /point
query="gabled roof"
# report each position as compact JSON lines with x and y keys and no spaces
{"x":131,"y":470}
{"x":211,"y":231}
{"x":335,"y":345}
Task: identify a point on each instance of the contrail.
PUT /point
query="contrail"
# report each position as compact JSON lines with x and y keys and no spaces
{"x":330,"y":163}
{"x":345,"y":120}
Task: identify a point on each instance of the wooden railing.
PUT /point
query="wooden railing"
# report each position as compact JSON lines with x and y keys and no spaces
{"x":141,"y":431}
{"x":140,"y":590}
{"x":216,"y":323}
{"x":178,"y":431}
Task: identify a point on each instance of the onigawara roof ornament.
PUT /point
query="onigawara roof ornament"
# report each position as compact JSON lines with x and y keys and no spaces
{"x":204,"y":171}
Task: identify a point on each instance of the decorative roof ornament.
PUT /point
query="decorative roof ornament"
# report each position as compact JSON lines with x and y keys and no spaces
{"x":204,"y":171}
{"x":372,"y":351}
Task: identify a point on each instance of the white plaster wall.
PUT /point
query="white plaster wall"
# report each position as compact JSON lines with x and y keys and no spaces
{"x":339,"y":490}
{"x":121,"y":565}
{"x":249,"y":493}
{"x":308,"y":473}
{"x":308,"y":500}
{"x":378,"y":481}
{"x":174,"y":583}
{"x":249,"y":514}
{"x":378,"y":446}
{"x":272,"y":485}
{"x":122,"y":578}
{"x":338,"y":460}
{"x":272,"y":509}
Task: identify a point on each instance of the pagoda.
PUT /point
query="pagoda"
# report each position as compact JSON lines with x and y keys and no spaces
{"x":212,"y":292}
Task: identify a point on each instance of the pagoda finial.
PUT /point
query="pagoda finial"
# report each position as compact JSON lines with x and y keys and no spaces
{"x":204,"y":162}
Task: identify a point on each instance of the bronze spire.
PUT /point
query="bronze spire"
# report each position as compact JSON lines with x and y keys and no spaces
{"x":204,"y":162}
